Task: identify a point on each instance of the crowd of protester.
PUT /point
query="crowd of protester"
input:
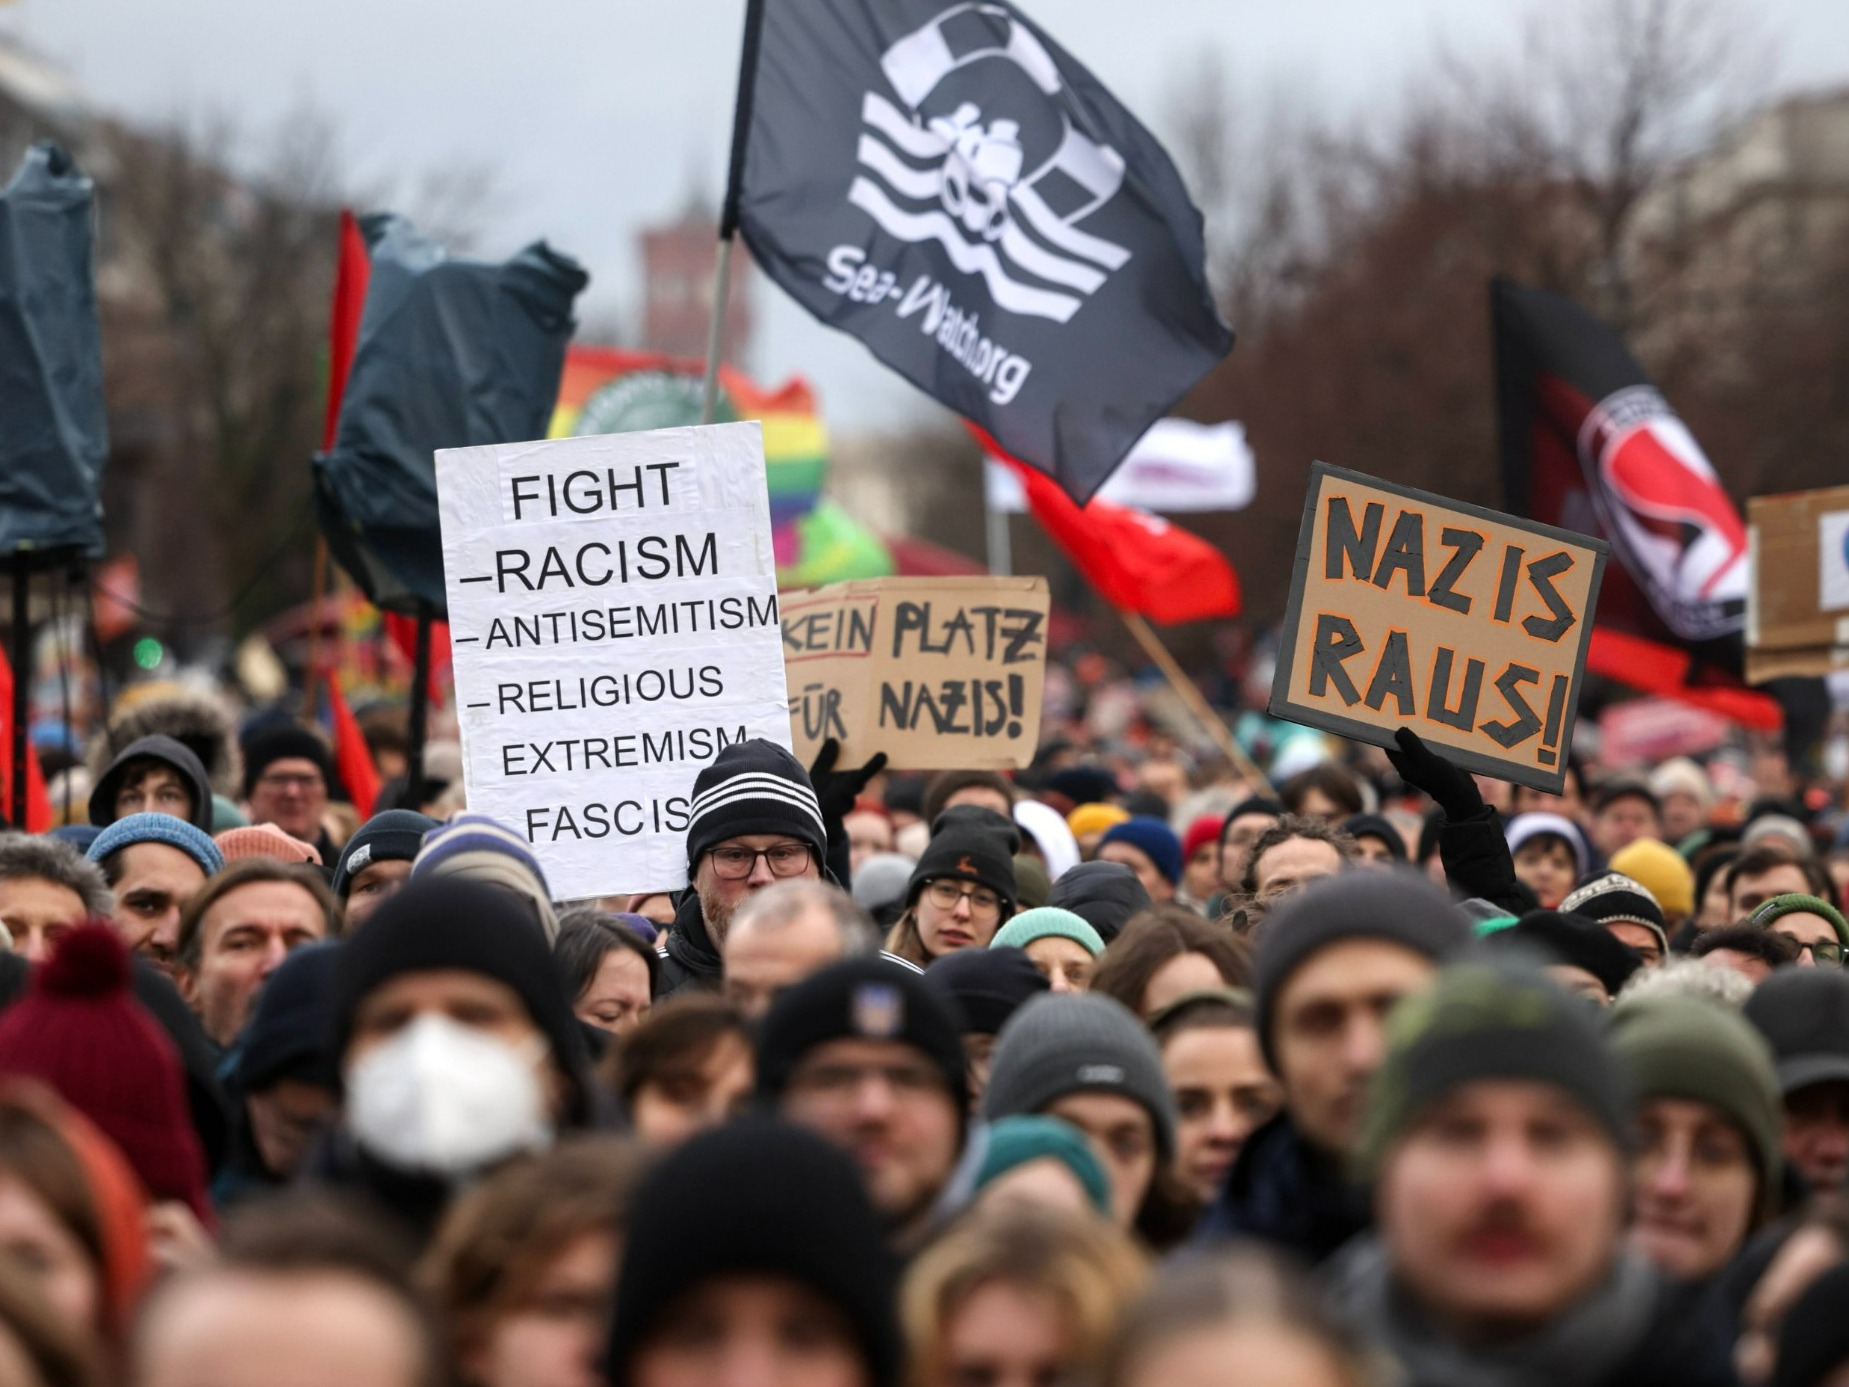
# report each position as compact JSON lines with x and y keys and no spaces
{"x":1123,"y":1070}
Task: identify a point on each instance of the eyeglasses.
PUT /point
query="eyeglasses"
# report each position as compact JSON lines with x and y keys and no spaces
{"x":281,"y":781}
{"x":1824,"y":951}
{"x":735,"y":864}
{"x":946,"y":894}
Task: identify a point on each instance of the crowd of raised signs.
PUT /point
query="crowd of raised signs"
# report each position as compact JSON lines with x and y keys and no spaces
{"x":1116,"y":1071}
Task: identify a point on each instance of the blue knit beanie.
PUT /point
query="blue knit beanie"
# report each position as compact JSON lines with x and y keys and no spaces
{"x":1155,"y":838}
{"x":478,"y":848}
{"x":158,"y":828}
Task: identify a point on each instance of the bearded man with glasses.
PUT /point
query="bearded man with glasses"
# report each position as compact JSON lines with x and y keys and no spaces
{"x":755,"y":820}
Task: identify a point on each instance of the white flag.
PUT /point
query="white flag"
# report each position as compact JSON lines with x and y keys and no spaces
{"x":1178,"y":466}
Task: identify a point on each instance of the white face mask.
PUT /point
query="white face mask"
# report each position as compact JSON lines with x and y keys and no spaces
{"x":446,"y":1098}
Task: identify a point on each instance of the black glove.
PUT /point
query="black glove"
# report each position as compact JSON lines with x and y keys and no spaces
{"x":1424,"y":769}
{"x":836,"y":791}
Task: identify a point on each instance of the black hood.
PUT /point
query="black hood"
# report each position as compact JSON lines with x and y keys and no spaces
{"x":167,"y":751}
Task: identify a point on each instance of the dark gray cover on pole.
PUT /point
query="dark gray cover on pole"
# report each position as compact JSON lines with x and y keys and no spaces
{"x":451,"y":353}
{"x":55,"y":437}
{"x":947,"y":184}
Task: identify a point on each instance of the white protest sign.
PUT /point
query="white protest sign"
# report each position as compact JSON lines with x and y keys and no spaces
{"x":1833,"y":561}
{"x":613,"y":619}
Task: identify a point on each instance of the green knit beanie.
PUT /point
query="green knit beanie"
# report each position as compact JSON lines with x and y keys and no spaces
{"x":1796,"y":903}
{"x":1684,"y":1047}
{"x":1488,"y":1022}
{"x":1046,"y":922}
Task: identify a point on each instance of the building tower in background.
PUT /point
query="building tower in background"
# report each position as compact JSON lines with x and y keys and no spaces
{"x":677,"y":268}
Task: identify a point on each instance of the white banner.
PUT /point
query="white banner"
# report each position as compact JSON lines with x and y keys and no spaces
{"x":613,"y":618}
{"x":1833,"y":561}
{"x":1178,"y":466}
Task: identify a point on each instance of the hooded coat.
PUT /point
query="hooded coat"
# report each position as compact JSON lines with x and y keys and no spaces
{"x":169,"y":753}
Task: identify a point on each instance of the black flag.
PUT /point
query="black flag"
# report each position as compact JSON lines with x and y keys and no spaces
{"x":1590,"y":444}
{"x":948,"y":185}
{"x":451,"y":353}
{"x":55,"y":441}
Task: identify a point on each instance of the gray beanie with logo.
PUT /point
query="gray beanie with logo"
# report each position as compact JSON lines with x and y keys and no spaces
{"x":1062,"y":1043}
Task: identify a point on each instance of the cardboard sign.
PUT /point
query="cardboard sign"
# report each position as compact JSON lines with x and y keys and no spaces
{"x":1797,"y":596}
{"x":613,"y":617}
{"x":935,"y":672}
{"x":1468,"y":626}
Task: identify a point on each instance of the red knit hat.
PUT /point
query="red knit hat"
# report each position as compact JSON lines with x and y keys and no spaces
{"x":1205,"y":829}
{"x":79,"y":1029}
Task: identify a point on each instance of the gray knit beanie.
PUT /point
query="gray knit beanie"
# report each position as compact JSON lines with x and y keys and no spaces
{"x":1399,"y":907}
{"x":1067,"y":1042}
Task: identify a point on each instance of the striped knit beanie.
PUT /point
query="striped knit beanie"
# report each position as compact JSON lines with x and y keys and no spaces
{"x":753,"y":787}
{"x":477,"y":848}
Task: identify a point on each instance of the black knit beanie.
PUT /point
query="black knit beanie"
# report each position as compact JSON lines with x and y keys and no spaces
{"x":756,"y":1198}
{"x":1106,"y":895}
{"x":1490,"y":1021}
{"x":969,"y":843}
{"x":284,"y":744}
{"x":1376,"y":826}
{"x":1398,"y":907}
{"x":752,"y":787}
{"x":862,"y":999}
{"x":392,"y":836}
{"x":986,"y":985}
{"x":454,"y":923}
{"x":1560,"y":937}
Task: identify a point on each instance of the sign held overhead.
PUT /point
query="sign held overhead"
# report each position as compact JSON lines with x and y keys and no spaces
{"x":1410,"y":610}
{"x":1797,"y":597}
{"x":938,"y":673}
{"x":613,"y":616}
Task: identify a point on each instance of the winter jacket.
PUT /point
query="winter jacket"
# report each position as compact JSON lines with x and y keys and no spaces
{"x":1634,"y":1330}
{"x":689,"y":960}
{"x":1284,"y":1192}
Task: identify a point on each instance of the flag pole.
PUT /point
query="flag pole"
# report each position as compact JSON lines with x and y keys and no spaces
{"x":1190,"y":695}
{"x":316,"y":588}
{"x":1001,"y":549}
{"x":728,"y":209}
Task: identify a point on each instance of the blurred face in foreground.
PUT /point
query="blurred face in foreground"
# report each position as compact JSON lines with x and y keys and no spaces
{"x":270,"y":1329}
{"x":1693,"y":1187}
{"x":889,"y":1108}
{"x":553,"y":1336}
{"x":1501,"y":1206}
{"x":1004,"y":1334}
{"x":1251,"y":1350}
{"x":749,"y":1331}
{"x":1329,"y":1032}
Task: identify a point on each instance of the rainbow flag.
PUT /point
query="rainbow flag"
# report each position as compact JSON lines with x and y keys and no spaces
{"x":610,"y":390}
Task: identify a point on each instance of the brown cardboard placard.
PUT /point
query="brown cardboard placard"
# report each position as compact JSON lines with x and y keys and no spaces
{"x":938,"y":673}
{"x":1796,"y":623}
{"x":1467,"y":625}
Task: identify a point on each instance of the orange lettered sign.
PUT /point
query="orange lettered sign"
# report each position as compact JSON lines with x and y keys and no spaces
{"x":1467,"y":625}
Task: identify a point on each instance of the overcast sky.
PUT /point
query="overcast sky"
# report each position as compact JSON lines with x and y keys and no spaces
{"x":597,"y":118}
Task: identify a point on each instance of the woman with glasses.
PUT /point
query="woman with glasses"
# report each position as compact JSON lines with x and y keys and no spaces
{"x":962,"y":889}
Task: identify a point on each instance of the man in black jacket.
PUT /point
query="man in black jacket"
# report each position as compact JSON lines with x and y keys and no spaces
{"x":1331,"y":962}
{"x":1495,"y":1139}
{"x":756,"y":820}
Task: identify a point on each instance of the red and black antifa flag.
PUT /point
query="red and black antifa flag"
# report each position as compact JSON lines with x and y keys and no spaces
{"x":945,"y":183}
{"x":1589,"y":444}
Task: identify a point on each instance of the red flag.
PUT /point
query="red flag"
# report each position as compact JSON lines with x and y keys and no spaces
{"x":38,"y":803}
{"x":352,"y":757}
{"x":402,"y":630}
{"x":1653,"y":667}
{"x":1137,"y":561}
{"x":350,"y":279}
